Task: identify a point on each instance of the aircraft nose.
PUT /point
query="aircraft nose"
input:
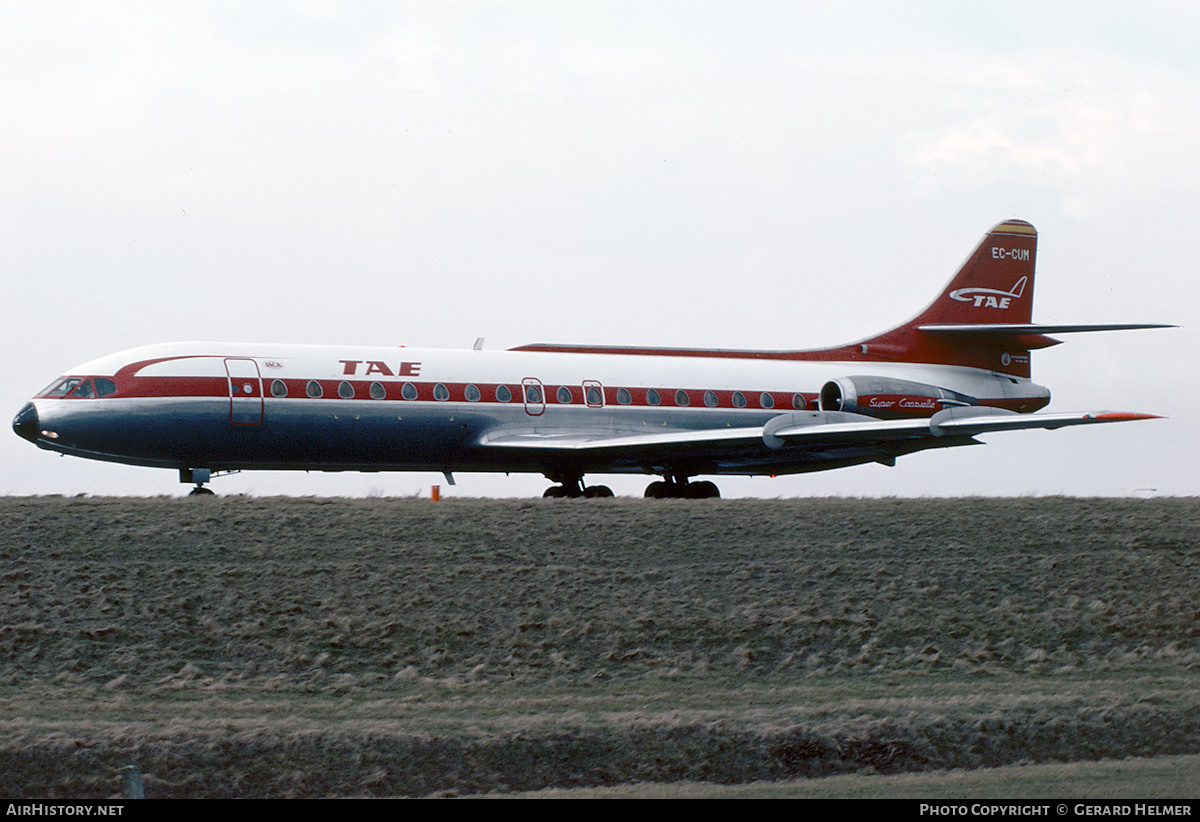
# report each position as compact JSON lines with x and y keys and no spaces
{"x":25,"y":423}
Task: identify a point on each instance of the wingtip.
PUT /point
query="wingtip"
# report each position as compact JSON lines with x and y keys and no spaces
{"x":1123,"y":416}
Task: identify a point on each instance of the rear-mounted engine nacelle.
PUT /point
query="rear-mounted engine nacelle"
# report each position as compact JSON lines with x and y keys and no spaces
{"x":888,"y":398}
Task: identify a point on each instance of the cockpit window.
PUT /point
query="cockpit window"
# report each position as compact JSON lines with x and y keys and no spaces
{"x":80,"y":388}
{"x":63,"y":387}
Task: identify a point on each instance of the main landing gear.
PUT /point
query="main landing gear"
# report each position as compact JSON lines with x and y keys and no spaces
{"x":573,"y":487}
{"x":676,"y":489}
{"x":670,"y":487}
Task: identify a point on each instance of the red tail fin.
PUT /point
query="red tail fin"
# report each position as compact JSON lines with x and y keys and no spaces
{"x":995,"y":284}
{"x":993,"y":287}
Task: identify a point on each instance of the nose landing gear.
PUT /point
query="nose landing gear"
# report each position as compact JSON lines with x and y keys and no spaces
{"x":200,"y":476}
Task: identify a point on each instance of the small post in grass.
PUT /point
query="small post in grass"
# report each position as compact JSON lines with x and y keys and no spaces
{"x":131,"y":783}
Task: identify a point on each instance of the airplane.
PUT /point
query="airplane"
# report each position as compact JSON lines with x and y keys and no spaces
{"x":958,"y":370}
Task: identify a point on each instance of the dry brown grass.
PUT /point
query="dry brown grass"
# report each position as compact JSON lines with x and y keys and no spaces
{"x":241,"y":646}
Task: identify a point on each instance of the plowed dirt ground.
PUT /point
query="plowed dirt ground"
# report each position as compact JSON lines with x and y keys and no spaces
{"x":388,"y":647}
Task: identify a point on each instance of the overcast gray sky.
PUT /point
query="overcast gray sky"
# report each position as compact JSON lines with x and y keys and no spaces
{"x":727,"y":174}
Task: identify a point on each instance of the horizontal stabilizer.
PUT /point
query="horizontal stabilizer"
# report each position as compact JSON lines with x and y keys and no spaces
{"x":1004,"y":329}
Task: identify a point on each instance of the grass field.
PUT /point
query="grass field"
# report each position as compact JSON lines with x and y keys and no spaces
{"x":389,"y":647}
{"x":1168,"y":777}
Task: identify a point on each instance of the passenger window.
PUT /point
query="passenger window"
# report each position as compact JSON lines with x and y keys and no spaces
{"x":710,"y":399}
{"x":533,"y":394}
{"x":623,"y":396}
{"x":441,"y":393}
{"x":594,"y":397}
{"x":739,"y":399}
{"x":313,"y":389}
{"x":278,"y":388}
{"x":473,"y":394}
{"x":105,"y":387}
{"x":377,"y":391}
{"x":503,"y":394}
{"x":766,"y":400}
{"x":798,"y":402}
{"x":652,"y":397}
{"x":564,"y":395}
{"x":345,"y":390}
{"x":681,"y":398}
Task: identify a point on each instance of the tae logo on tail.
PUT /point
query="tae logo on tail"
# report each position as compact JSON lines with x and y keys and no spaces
{"x":990,"y":297}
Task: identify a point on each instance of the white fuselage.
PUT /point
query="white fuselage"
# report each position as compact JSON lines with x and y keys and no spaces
{"x":237,"y":406}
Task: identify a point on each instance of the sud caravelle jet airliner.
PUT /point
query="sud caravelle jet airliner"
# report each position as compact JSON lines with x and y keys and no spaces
{"x":959,"y":369}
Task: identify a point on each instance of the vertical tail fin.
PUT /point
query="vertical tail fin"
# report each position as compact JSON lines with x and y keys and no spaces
{"x":993,"y":287}
{"x":995,"y":284}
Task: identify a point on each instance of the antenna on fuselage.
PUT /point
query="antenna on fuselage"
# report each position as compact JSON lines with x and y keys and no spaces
{"x":478,"y":346}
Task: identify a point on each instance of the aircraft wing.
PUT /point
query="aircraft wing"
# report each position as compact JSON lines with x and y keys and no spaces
{"x":623,"y":441}
{"x":796,"y":441}
{"x":951,"y":422}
